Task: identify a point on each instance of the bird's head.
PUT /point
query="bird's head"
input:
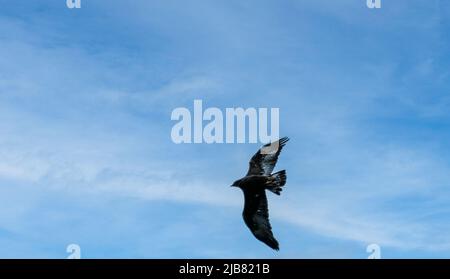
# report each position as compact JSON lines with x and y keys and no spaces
{"x":235,"y":184}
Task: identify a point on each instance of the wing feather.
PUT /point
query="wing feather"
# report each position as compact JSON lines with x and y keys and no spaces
{"x":256,"y":217}
{"x":264,"y":161}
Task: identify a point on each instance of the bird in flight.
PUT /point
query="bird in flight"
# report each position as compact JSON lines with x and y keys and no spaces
{"x":254,"y":184}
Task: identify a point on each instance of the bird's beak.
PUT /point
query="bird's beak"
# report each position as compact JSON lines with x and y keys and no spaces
{"x":232,"y":185}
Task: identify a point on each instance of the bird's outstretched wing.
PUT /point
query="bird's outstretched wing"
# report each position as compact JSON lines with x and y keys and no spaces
{"x":263,"y":162}
{"x":256,"y":217}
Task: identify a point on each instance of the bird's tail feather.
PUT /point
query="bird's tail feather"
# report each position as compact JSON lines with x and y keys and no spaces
{"x":276,"y":181}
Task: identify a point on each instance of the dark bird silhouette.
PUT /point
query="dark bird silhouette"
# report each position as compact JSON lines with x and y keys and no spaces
{"x":258,"y":179}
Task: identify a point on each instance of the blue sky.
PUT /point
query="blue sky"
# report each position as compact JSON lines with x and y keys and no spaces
{"x":86,"y":155}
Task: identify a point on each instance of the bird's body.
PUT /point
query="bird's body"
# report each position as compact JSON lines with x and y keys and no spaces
{"x":259,"y":178}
